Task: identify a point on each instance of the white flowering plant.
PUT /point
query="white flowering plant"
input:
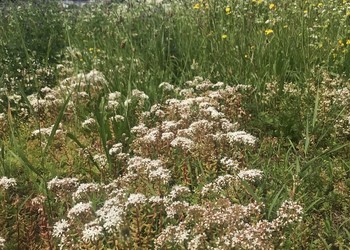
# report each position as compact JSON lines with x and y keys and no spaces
{"x":174,"y":125}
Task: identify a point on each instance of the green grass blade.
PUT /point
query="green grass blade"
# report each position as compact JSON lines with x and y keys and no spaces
{"x":274,"y":202}
{"x":91,"y":158}
{"x":20,"y":156}
{"x":314,"y":117}
{"x":54,"y":129}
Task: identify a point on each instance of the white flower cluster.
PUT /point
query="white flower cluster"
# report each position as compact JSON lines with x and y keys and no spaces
{"x":183,"y":143}
{"x":89,"y":123}
{"x":50,"y":100}
{"x":230,"y":163}
{"x":251,"y":175}
{"x":139,"y":94}
{"x":60,"y":228}
{"x":101,"y":160}
{"x":66,"y":185}
{"x":153,"y":170}
{"x":176,"y":192}
{"x":136,"y":199}
{"x":115,"y":149}
{"x":2,"y":243}
{"x":117,"y":118}
{"x":80,"y":209}
{"x":84,"y":189}
{"x":289,"y":212}
{"x":92,"y":232}
{"x":113,"y":100}
{"x":223,"y":182}
{"x":6,"y":183}
{"x":47,"y":131}
{"x":176,"y":234}
{"x":176,"y":208}
{"x":166,"y":86}
{"x":241,"y":136}
{"x":111,"y":214}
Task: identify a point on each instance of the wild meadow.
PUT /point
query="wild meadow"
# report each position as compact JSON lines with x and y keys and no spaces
{"x":180,"y":124}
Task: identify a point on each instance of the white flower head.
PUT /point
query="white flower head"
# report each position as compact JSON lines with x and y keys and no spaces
{"x":80,"y":209}
{"x":136,"y":199}
{"x":183,"y":143}
{"x":88,"y":123}
{"x":2,"y":243}
{"x":242,"y":137}
{"x":250,"y":174}
{"x":92,"y":232}
{"x":60,"y":228}
{"x":166,"y":86}
{"x":6,"y":183}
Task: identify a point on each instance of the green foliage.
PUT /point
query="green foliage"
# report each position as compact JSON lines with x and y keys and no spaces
{"x":32,"y":39}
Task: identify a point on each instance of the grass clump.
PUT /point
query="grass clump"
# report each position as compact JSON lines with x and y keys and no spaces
{"x":175,"y":125}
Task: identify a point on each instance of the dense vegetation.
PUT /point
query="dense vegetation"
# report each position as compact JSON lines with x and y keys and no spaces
{"x":175,"y":125}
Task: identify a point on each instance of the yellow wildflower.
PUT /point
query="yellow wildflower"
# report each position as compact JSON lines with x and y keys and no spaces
{"x":272,"y":6}
{"x":224,"y":36}
{"x":348,"y":42}
{"x":268,"y":32}
{"x":228,"y":10}
{"x":91,"y":49}
{"x":340,"y":42}
{"x":196,"y":6}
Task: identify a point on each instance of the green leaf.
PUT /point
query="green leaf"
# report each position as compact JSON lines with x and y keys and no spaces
{"x":274,"y":202}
